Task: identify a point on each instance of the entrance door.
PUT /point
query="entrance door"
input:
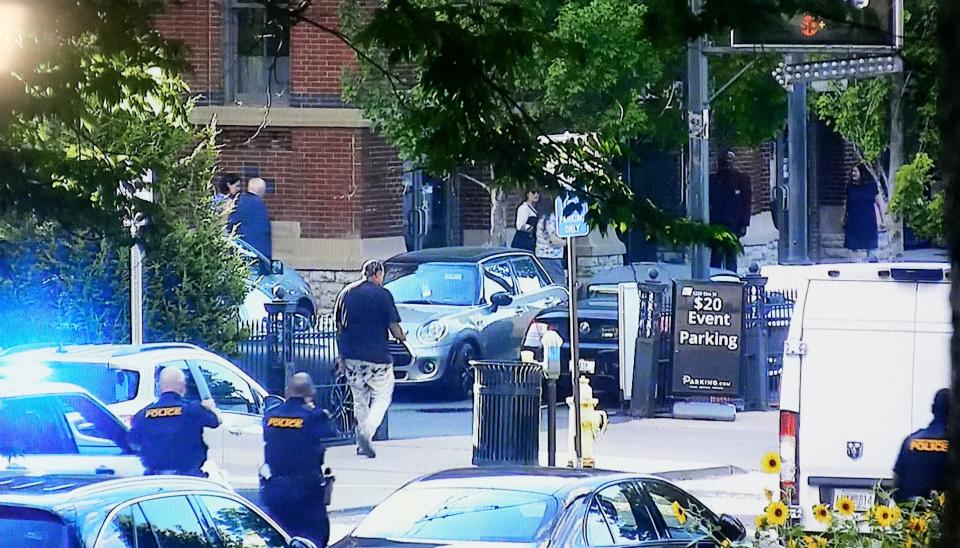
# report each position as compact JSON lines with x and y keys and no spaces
{"x":431,"y":210}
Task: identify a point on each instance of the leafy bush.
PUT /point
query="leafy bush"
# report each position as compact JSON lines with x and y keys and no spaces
{"x":917,"y":200}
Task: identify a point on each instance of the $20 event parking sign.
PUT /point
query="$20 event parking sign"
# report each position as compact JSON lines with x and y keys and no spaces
{"x":707,"y":338}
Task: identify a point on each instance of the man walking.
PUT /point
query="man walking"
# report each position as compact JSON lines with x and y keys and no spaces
{"x":922,"y":464}
{"x":731,"y":197}
{"x":292,"y":486}
{"x":365,"y":313}
{"x":169,"y":432}
{"x":251,"y":219}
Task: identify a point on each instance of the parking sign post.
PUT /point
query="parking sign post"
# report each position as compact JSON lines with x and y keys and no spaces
{"x":571,"y":224}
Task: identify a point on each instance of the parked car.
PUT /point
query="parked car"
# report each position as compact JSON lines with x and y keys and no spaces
{"x":124,"y":377}
{"x":871,"y":337}
{"x":458,"y":304}
{"x":598,"y":320}
{"x":265,"y":277}
{"x":535,"y":507}
{"x":90,"y":511}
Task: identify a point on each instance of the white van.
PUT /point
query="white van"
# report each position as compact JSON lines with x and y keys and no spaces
{"x":868,"y":347}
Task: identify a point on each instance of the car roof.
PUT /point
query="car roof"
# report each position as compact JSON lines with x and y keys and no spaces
{"x":468,"y":254}
{"x":95,"y":353}
{"x":13,"y":389}
{"x":558,"y":482}
{"x":640,"y":272}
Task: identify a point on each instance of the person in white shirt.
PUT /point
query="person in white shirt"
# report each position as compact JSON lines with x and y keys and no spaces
{"x":550,"y":247}
{"x":527,"y":217}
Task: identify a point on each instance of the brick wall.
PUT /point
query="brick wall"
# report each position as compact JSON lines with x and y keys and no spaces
{"x":317,"y":58}
{"x":198,"y":26}
{"x":755,"y":163}
{"x":382,"y":172}
{"x":314,"y":175}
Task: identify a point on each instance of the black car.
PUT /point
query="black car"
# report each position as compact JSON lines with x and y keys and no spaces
{"x":62,"y":511}
{"x":537,"y":507}
{"x":599,"y":324}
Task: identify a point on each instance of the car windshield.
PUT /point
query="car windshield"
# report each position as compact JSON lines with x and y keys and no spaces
{"x":432,"y":283}
{"x":108,"y":385}
{"x":30,"y":527}
{"x":461,"y":515}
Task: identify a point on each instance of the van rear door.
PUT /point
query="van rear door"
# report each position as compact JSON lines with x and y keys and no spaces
{"x":858,"y":365}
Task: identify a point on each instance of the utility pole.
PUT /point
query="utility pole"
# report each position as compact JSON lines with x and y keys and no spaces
{"x":698,"y":119}
{"x":797,"y":246}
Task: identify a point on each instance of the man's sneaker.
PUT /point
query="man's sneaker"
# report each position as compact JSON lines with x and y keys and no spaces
{"x":364,"y":447}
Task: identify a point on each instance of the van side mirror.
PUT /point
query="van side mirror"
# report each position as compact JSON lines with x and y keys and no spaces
{"x":276,"y":267}
{"x":272,"y":401}
{"x":498,"y":300}
{"x":731,"y":528}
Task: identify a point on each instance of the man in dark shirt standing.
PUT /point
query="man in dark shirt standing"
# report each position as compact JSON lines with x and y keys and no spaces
{"x":922,"y":464}
{"x":292,"y":487}
{"x":730,"y":205}
{"x":169,"y":432}
{"x":365,"y":313}
{"x":251,"y":219}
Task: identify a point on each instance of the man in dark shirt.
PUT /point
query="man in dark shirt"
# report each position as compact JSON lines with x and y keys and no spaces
{"x":169,"y":432}
{"x":292,"y":488}
{"x":251,"y":219}
{"x":730,"y":205}
{"x":922,"y":464}
{"x":365,"y":313}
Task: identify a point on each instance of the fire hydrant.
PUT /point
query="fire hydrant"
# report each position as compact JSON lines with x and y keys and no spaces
{"x":593,"y":422}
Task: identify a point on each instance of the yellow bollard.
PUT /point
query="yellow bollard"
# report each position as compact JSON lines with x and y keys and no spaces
{"x":593,"y":422}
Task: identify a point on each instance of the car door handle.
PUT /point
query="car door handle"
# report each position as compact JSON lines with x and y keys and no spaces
{"x":234,"y":430}
{"x":551,"y":301}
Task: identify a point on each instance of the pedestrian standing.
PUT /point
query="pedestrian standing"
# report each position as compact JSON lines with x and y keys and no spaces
{"x":864,"y":205}
{"x":527,"y":218}
{"x":169,"y":432}
{"x":365,"y":314}
{"x":227,"y":189}
{"x":292,"y":480}
{"x":731,"y":195}
{"x":921,"y":466}
{"x":550,"y":247}
{"x":251,"y":218}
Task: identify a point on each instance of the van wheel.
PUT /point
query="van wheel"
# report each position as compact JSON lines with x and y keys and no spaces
{"x":460,"y":374}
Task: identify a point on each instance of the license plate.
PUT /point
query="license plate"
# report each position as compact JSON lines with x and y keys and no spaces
{"x":863,"y":499}
{"x":588,"y":366}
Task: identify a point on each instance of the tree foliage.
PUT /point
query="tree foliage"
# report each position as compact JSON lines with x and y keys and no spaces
{"x":918,"y":199}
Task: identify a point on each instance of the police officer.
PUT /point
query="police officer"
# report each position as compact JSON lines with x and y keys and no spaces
{"x":169,"y":432}
{"x":291,"y":485}
{"x":922,"y":465}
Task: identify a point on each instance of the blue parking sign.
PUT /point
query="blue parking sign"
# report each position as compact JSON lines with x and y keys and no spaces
{"x":571,"y":217}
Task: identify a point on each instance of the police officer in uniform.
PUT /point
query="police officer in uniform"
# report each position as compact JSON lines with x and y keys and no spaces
{"x":922,"y":464}
{"x":291,"y":485}
{"x":169,"y":432}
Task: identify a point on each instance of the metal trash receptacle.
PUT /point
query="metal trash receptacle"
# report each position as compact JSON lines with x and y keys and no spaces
{"x":506,"y":412}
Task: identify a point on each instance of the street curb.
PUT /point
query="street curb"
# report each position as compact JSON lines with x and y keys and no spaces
{"x":700,"y":473}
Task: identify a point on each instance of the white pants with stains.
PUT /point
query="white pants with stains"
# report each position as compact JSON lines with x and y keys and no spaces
{"x":372,"y":388}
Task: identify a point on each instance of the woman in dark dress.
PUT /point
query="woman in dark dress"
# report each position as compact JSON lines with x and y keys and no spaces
{"x":527,"y":218}
{"x":863,"y":202}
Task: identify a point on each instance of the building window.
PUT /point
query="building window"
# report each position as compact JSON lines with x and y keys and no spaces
{"x":258,"y":51}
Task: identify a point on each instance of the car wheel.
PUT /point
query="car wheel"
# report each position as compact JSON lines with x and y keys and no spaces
{"x":460,"y":374}
{"x":341,"y":408}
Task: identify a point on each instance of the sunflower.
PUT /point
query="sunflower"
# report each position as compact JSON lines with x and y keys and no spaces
{"x":777,"y":513}
{"x":771,"y":463}
{"x":768,"y":494}
{"x":679,"y":513}
{"x":760,"y":522}
{"x":821,"y":512}
{"x":884,"y":516}
{"x":845,"y":506}
{"x":725,"y":544}
{"x":895,"y":510}
{"x":917,"y":525}
{"x":941,"y":499}
{"x":791,"y":543}
{"x":814,"y":542}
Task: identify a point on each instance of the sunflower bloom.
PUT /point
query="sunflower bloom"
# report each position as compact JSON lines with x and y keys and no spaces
{"x":821,"y":512}
{"x":679,"y":513}
{"x":791,"y":543}
{"x":917,"y":525}
{"x":777,"y":513}
{"x":725,"y":544}
{"x":771,"y":463}
{"x":895,"y":510}
{"x":760,"y":522}
{"x":814,"y":542}
{"x":845,"y":506}
{"x":941,"y":499}
{"x":883,"y":515}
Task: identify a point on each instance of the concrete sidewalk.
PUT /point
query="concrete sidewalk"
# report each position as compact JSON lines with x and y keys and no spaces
{"x":677,"y":450}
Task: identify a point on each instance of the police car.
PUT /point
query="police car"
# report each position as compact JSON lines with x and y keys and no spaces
{"x":868,"y":347}
{"x":124,"y":378}
{"x":67,"y":511}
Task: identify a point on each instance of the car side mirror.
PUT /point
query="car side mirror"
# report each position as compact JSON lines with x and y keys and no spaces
{"x":500,"y":299}
{"x":271,"y":402}
{"x":276,"y":267}
{"x":300,"y":542}
{"x":731,"y":528}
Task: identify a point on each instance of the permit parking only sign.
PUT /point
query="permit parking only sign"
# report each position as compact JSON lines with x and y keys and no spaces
{"x":707,"y":338}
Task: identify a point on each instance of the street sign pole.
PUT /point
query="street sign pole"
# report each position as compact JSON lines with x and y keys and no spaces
{"x":698,"y":114}
{"x":136,"y":293}
{"x":574,"y":354}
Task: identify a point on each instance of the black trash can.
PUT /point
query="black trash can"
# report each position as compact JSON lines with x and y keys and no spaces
{"x":506,"y":413}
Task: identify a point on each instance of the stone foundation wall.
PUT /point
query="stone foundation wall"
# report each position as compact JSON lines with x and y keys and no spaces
{"x":326,"y":285}
{"x":587,"y":267}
